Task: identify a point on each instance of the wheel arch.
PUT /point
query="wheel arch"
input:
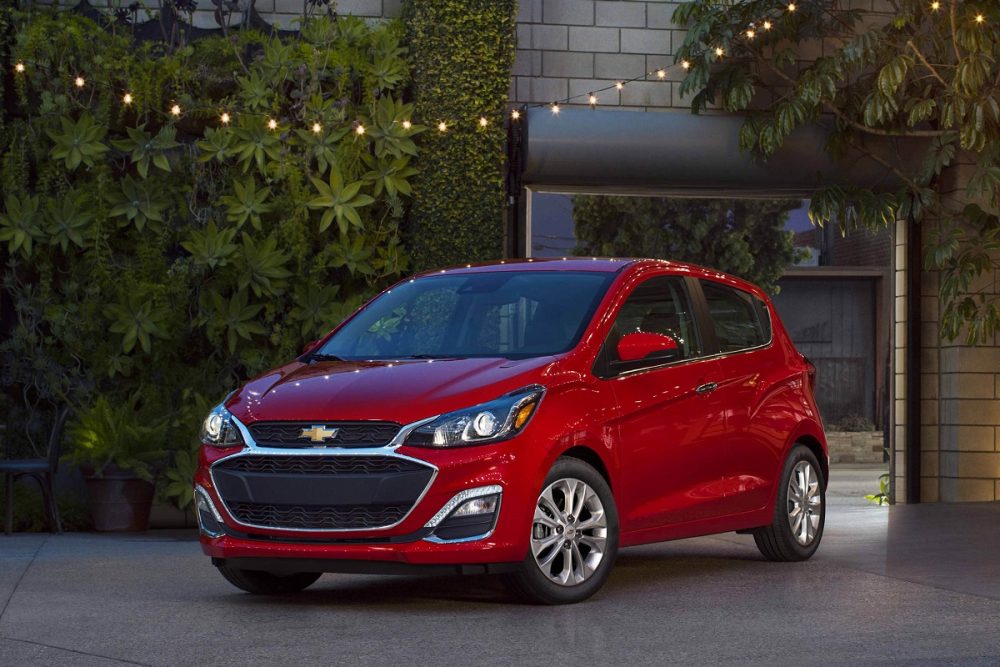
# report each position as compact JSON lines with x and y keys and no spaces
{"x":811,"y":435}
{"x":591,"y":457}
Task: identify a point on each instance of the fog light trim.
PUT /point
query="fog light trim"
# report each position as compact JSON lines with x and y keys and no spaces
{"x":202,"y":501}
{"x":460,"y":498}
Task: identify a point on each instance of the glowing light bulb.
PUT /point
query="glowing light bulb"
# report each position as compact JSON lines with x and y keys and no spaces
{"x":225,"y":118}
{"x":272,"y":124}
{"x":360,"y":129}
{"x":127,"y":98}
{"x":317,"y":128}
{"x":407,"y":124}
{"x":719,"y":51}
{"x":592,"y":98}
{"x":79,"y":82}
{"x":751,"y":34}
{"x":980,"y":18}
{"x":442,"y":126}
{"x":175,"y":110}
{"x":619,"y":85}
{"x":685,"y":64}
{"x":515,"y":114}
{"x":791,"y":6}
{"x":767,"y":25}
{"x":555,"y":107}
{"x":661,"y":73}
{"x":19,"y":68}
{"x":483,"y":121}
{"x":935,"y":6}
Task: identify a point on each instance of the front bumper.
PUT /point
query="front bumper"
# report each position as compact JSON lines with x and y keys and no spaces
{"x":508,"y":467}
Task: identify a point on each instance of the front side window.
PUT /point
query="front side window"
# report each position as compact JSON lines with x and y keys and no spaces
{"x":512,"y":314}
{"x":736,"y":316}
{"x":659,"y":305}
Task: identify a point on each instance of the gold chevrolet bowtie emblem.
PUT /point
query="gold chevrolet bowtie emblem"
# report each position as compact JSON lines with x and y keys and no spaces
{"x":318,"y":433}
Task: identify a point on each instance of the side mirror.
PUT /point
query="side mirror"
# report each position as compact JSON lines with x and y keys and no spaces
{"x":310,"y":346}
{"x":640,"y":346}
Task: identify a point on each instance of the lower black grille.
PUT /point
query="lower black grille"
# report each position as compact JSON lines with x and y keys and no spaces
{"x":311,"y":517}
{"x":344,"y":434}
{"x":320,"y":491}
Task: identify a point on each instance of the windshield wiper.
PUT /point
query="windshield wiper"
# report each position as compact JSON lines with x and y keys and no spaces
{"x":317,"y":356}
{"x":428,"y":356}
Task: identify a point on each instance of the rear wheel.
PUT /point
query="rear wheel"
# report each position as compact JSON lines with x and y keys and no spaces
{"x":574,"y":537}
{"x":800,"y":511}
{"x":268,"y":583}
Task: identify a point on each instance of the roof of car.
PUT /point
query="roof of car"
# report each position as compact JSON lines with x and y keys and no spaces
{"x":595,"y":264}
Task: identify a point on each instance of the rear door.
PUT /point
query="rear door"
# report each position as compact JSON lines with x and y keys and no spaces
{"x":747,"y":366}
{"x":668,"y":420}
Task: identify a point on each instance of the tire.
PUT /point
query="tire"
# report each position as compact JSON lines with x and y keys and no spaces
{"x":267,"y":583}
{"x":593,"y":537}
{"x":785,"y":539}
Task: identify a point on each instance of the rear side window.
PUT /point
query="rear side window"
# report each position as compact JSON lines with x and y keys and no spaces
{"x":659,"y":305}
{"x":739,"y":317}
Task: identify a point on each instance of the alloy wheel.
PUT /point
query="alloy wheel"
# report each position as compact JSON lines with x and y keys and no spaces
{"x":569,"y":533}
{"x":805,"y":503}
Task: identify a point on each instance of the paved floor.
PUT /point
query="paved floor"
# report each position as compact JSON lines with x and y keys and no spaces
{"x":913,"y":585}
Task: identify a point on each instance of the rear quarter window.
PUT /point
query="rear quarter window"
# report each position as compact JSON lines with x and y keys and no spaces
{"x":740,"y":319}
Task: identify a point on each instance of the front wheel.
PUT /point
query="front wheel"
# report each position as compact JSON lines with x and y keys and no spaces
{"x":574,"y":537}
{"x":268,"y":583}
{"x":800,"y":511}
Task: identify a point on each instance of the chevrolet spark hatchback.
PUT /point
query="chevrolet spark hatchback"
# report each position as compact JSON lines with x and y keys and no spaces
{"x":524,"y":418}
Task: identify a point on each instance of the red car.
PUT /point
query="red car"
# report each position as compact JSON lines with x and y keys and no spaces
{"x":525,"y":417}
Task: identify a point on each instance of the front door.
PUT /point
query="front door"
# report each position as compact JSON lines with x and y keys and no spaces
{"x":667,"y":414}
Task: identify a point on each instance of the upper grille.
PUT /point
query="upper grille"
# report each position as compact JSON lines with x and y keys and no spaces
{"x":331,"y":465}
{"x":349,"y":434}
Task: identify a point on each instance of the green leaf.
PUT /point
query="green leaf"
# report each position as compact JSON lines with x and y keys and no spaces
{"x":247,"y":203}
{"x":19,"y":223}
{"x":78,"y":142}
{"x":339,"y":201}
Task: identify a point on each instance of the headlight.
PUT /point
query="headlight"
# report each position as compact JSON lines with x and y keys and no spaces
{"x":219,"y":430}
{"x":488,"y":422}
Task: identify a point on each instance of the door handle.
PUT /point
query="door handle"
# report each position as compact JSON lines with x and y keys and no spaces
{"x":707,"y":388}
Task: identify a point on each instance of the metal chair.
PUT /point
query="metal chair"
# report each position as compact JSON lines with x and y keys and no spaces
{"x":42,"y":470}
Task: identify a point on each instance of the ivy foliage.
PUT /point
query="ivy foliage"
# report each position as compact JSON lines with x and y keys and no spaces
{"x":152,"y":261}
{"x":462,"y":52}
{"x":745,"y":237}
{"x":927,"y":75}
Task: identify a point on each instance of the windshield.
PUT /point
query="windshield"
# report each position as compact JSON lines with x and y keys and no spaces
{"x":513,"y":314}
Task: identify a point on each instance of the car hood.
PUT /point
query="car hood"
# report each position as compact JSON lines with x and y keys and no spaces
{"x":401,"y":391}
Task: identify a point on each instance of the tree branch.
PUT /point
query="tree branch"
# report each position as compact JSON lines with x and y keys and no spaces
{"x":926,"y":64}
{"x":953,"y":16}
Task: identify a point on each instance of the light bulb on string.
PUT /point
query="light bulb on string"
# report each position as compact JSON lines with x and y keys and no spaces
{"x":272,"y":124}
{"x":935,"y":6}
{"x":515,"y":114}
{"x":685,"y":64}
{"x":719,"y":52}
{"x":619,"y":85}
{"x":592,"y":99}
{"x":407,"y":124}
{"x":980,"y":18}
{"x":792,"y":7}
{"x":127,"y":99}
{"x":317,"y":128}
{"x":483,"y":121}
{"x":442,"y":126}
{"x":661,"y":73}
{"x":555,"y":108}
{"x":175,"y":110}
{"x":79,"y":82}
{"x":225,"y":118}
{"x":359,"y":130}
{"x":19,"y":68}
{"x":767,"y":25}
{"x":751,"y":34}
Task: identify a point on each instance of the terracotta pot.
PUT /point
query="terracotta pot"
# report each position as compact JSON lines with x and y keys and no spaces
{"x":119,"y":501}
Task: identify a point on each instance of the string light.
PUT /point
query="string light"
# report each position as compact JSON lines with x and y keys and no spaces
{"x":685,"y":64}
{"x":19,"y":68}
{"x":619,"y":85}
{"x":442,"y":126}
{"x":592,"y":98}
{"x":555,"y":108}
{"x":980,"y":18}
{"x":791,"y":6}
{"x":272,"y":124}
{"x":483,"y":121}
{"x":175,"y":110}
{"x":127,"y":98}
{"x":515,"y":114}
{"x":225,"y":118}
{"x":79,"y":82}
{"x":767,"y":25}
{"x":661,"y":73}
{"x":751,"y":34}
{"x":719,"y":51}
{"x":360,"y":129}
{"x":935,"y":6}
{"x":317,"y":128}
{"x":407,"y":124}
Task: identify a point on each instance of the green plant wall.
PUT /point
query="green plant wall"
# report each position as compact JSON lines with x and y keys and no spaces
{"x":462,"y":52}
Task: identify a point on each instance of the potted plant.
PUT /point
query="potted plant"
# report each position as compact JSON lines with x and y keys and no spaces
{"x":117,"y":449}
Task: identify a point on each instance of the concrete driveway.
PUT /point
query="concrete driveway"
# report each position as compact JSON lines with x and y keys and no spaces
{"x":911,"y":584}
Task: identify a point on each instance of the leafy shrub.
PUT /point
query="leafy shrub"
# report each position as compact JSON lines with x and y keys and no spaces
{"x":154,"y":260}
